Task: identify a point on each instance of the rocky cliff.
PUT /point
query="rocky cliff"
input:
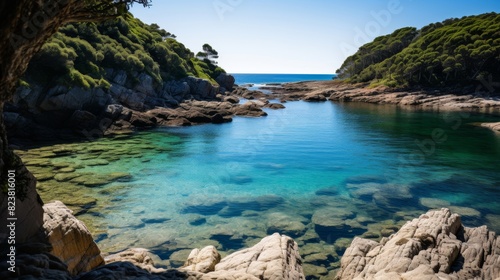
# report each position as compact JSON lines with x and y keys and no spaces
{"x":88,"y":76}
{"x":37,"y":112}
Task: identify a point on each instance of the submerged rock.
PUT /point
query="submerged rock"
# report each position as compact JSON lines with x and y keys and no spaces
{"x":433,"y":203}
{"x":330,"y":191}
{"x":285,"y":224}
{"x":434,"y":246}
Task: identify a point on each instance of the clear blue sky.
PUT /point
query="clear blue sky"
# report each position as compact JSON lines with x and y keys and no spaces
{"x":295,"y":36}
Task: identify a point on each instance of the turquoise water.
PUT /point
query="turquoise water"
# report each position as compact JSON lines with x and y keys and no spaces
{"x":279,"y":78}
{"x":229,"y":183}
{"x":319,"y":172}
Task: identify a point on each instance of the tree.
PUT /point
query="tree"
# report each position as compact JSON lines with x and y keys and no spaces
{"x":208,"y":54}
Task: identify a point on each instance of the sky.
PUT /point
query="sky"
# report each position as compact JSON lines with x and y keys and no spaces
{"x":295,"y":36}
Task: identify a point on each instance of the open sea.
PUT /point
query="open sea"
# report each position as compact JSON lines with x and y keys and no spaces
{"x":319,"y":172}
{"x":261,"y":79}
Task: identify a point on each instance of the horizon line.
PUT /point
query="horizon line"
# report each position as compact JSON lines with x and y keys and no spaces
{"x":286,"y":73}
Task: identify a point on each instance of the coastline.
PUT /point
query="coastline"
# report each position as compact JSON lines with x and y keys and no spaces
{"x":248,"y":102}
{"x":306,"y":91}
{"x":413,"y":98}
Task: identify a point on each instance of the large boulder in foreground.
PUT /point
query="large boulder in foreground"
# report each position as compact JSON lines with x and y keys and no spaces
{"x":70,"y":239}
{"x":275,"y":257}
{"x":434,"y":246}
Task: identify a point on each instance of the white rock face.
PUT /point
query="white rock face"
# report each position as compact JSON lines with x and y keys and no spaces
{"x":203,"y":260}
{"x":275,"y":257}
{"x":70,"y":239}
{"x":434,"y":246}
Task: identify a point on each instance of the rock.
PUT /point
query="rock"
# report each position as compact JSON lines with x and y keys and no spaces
{"x":70,"y":239}
{"x":249,"y":109}
{"x":203,"y":260}
{"x":331,"y":217}
{"x":201,"y":89}
{"x":29,"y":212}
{"x":314,"y":270}
{"x":113,"y":111}
{"x":314,"y":97}
{"x":465,"y":211}
{"x":274,"y":257}
{"x":434,"y":246}
{"x":142,"y":120}
{"x":120,"y":77}
{"x":178,"y":257}
{"x":81,"y":119}
{"x":285,"y":224}
{"x":232,"y":99}
{"x":433,"y":203}
{"x":248,"y":94}
{"x":137,"y":256}
{"x":330,"y":191}
{"x":226,"y":81}
{"x":275,"y":106}
{"x":65,"y":177}
{"x":493,"y":126}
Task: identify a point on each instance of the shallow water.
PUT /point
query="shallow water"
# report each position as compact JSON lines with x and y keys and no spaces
{"x":320,"y":172}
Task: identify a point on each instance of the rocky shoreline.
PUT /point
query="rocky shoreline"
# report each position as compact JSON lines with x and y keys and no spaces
{"x":466,"y":99}
{"x":90,"y":114}
{"x":219,"y":106}
{"x":434,"y":246}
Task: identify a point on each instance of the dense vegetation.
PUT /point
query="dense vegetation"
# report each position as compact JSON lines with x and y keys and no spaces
{"x":80,"y":53}
{"x":453,"y":52}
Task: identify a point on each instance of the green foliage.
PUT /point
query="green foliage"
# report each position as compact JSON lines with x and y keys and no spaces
{"x":456,"y":51}
{"x":80,"y":53}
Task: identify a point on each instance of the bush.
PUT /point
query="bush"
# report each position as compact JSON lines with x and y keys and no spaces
{"x":80,"y":52}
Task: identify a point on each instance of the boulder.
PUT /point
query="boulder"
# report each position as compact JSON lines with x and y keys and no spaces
{"x":203,"y":260}
{"x":70,"y":239}
{"x":232,"y":99}
{"x":145,"y":84}
{"x":201,"y":89}
{"x":274,"y":257}
{"x":434,"y":246}
{"x":139,"y":257}
{"x":314,"y":97}
{"x":249,"y":109}
{"x":139,"y":119}
{"x":493,"y":126}
{"x":275,"y":106}
{"x":226,"y":81}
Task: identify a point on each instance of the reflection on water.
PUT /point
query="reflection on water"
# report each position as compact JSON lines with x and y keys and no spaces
{"x":319,"y":172}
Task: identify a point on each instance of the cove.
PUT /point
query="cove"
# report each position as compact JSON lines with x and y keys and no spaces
{"x":319,"y":172}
